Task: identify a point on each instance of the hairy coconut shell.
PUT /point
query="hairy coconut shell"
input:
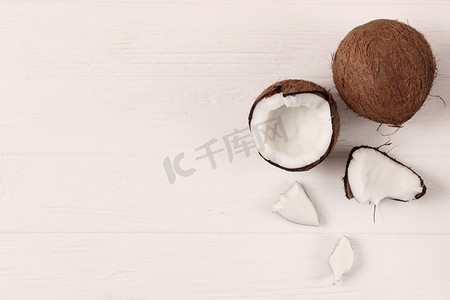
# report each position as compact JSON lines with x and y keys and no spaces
{"x":348,"y":190}
{"x":384,"y":71}
{"x":292,"y":87}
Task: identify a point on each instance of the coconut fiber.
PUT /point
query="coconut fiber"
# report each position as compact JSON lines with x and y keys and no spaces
{"x":384,"y":71}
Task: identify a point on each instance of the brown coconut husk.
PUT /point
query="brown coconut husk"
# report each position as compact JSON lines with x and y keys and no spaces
{"x":348,"y":190}
{"x":384,"y":71}
{"x":293,"y":87}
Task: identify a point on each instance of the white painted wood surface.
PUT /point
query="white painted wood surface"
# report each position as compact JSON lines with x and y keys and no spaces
{"x":95,"y":94}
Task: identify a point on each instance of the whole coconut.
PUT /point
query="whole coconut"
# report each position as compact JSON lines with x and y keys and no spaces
{"x":384,"y":71}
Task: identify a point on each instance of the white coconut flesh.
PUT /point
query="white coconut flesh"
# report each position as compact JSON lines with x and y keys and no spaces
{"x":341,"y":260}
{"x":306,"y":121}
{"x":296,"y":207}
{"x":372,"y":177}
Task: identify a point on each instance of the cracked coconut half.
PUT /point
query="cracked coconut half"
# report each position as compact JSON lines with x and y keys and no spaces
{"x":372,"y":175}
{"x":294,"y":124}
{"x":295,"y":206}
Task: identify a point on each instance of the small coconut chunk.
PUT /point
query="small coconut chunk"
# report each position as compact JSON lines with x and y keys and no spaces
{"x":296,"y":207}
{"x":372,"y":176}
{"x":341,"y":260}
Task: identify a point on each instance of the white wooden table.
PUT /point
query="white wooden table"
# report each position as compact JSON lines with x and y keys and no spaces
{"x":96,"y":94}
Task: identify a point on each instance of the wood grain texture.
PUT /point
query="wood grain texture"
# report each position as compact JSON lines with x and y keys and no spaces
{"x":211,"y":266}
{"x":96,"y":94}
{"x":123,"y":193}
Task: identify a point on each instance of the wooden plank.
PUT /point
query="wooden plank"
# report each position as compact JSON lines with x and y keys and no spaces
{"x":230,"y":266}
{"x":141,"y":116}
{"x":207,"y":40}
{"x":122,"y":193}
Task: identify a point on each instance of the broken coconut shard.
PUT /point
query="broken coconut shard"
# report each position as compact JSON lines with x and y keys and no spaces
{"x":341,"y":260}
{"x":310,"y":122}
{"x":296,"y":207}
{"x":371,"y":176}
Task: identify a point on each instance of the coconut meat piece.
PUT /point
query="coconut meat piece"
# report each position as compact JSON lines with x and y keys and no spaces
{"x":373,"y":176}
{"x":306,"y":121}
{"x":341,"y":260}
{"x":295,"y":206}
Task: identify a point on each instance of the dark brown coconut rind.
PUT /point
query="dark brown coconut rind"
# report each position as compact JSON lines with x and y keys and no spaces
{"x":384,"y":71}
{"x":293,"y":87}
{"x":348,"y":190}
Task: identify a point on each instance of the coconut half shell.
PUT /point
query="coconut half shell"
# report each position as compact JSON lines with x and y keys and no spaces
{"x":309,"y":118}
{"x":384,"y":71}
